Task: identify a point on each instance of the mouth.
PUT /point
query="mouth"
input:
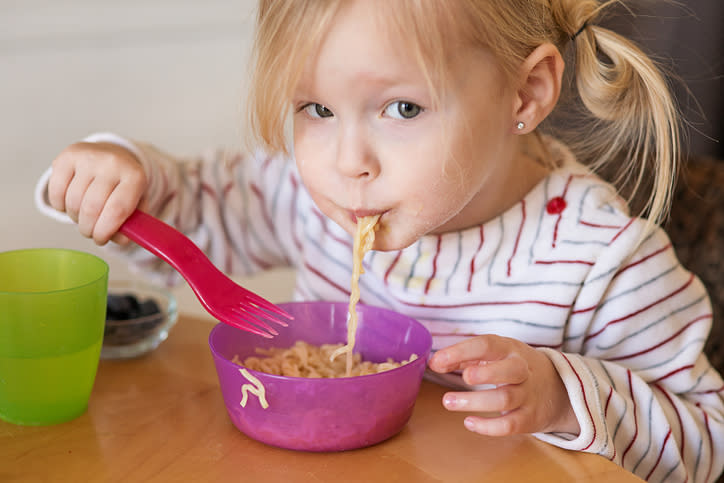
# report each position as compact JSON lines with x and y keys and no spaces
{"x":355,"y":215}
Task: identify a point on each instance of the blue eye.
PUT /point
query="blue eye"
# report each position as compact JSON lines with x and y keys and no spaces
{"x":317,"y":110}
{"x":403,"y":110}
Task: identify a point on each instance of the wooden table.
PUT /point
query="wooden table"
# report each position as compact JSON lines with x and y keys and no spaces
{"x":161,"y":418}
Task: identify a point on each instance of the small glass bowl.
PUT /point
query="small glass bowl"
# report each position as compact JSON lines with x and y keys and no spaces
{"x":133,"y":337}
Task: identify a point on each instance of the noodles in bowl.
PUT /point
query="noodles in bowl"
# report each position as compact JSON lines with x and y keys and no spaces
{"x":306,"y":360}
{"x":324,"y":414}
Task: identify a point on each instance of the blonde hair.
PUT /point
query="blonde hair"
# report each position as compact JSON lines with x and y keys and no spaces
{"x":633,"y":118}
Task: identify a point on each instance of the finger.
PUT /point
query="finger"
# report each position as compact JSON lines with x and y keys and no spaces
{"x":482,"y":347}
{"x":93,"y":203}
{"x":504,"y":425}
{"x":502,"y":399}
{"x":120,"y":239}
{"x":58,"y":184}
{"x":511,"y":370}
{"x":118,"y":207}
{"x":74,"y":194}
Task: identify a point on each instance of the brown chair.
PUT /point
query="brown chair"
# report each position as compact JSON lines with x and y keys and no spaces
{"x":696,"y":228}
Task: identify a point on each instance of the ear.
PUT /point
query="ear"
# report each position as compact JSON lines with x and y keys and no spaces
{"x":539,"y":87}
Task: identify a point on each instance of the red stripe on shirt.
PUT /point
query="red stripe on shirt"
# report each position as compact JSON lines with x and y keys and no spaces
{"x":472,"y":260}
{"x":635,"y":418}
{"x":647,"y":257}
{"x":434,"y":264}
{"x":643,"y":309}
{"x":625,"y":227}
{"x":326,"y":279}
{"x":392,"y":265}
{"x":260,"y":262}
{"x":560,"y":215}
{"x":711,"y":443}
{"x":265,"y":164}
{"x":323,"y":220}
{"x":265,"y":214}
{"x":673,"y":373}
{"x":293,"y":212}
{"x":644,"y":351}
{"x":596,"y":225}
{"x":711,"y":391}
{"x":678,"y":418}
{"x":587,"y":309}
{"x":585,"y":401}
{"x":517,"y":237}
{"x":608,"y":400}
{"x":658,"y":460}
{"x":208,"y":190}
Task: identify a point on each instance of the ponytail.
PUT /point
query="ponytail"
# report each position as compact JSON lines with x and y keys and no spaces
{"x":635,"y":122}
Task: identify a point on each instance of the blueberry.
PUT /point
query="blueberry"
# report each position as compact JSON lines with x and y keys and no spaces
{"x":127,"y":306}
{"x":148,"y":307}
{"x":122,"y":307}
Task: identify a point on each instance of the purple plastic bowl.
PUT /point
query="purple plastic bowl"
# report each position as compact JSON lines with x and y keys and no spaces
{"x":326,"y":414}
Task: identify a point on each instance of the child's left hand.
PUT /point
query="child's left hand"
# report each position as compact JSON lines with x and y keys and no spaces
{"x":530,"y":395}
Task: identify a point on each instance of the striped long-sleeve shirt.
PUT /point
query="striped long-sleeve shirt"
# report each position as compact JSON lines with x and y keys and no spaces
{"x":565,"y":270}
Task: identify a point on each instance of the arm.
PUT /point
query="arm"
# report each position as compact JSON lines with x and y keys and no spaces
{"x":219,"y":200}
{"x":642,"y":390}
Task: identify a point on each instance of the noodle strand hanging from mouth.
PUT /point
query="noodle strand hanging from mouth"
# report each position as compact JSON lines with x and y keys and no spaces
{"x":363,"y":240}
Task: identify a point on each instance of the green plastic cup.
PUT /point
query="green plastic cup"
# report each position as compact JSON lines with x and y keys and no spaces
{"x":52,"y":315}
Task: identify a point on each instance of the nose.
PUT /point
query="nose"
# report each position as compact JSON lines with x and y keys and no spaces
{"x":356,"y":156}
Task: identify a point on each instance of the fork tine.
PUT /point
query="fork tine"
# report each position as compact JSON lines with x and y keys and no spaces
{"x":250,"y":318}
{"x":263,"y":303}
{"x":263,"y":314}
{"x":244,"y":324}
{"x":255,"y":315}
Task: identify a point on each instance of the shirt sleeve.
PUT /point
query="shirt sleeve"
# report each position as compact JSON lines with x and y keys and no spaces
{"x":640,"y":385}
{"x":225,"y":202}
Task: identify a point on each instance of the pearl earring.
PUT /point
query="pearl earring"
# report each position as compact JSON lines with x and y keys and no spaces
{"x":520,"y":125}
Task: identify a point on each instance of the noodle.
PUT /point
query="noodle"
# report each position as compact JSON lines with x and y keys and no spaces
{"x":256,"y":388}
{"x":307,"y":360}
{"x":364,"y":238}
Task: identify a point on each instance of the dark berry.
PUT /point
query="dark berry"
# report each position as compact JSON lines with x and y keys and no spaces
{"x":148,"y":307}
{"x":122,"y":307}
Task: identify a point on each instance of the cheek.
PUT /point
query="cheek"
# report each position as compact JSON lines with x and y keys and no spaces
{"x":433,"y":200}
{"x":313,"y":142}
{"x":310,"y":161}
{"x":314,"y":180}
{"x":446,"y":199}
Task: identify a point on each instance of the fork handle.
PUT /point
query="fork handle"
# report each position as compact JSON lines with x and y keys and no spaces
{"x":165,"y":242}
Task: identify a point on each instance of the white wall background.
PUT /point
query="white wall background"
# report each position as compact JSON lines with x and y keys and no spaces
{"x":167,"y":71}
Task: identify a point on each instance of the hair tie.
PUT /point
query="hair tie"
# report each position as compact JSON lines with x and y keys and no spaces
{"x":578,"y":32}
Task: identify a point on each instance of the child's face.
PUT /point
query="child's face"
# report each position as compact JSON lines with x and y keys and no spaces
{"x":367,"y":139}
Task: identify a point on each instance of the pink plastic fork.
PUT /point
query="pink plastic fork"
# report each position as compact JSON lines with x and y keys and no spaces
{"x":221,"y":297}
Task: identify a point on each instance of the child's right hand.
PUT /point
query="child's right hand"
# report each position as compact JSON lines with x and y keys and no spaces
{"x":98,"y":185}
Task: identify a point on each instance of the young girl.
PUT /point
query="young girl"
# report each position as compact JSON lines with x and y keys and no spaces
{"x":549,"y":304}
